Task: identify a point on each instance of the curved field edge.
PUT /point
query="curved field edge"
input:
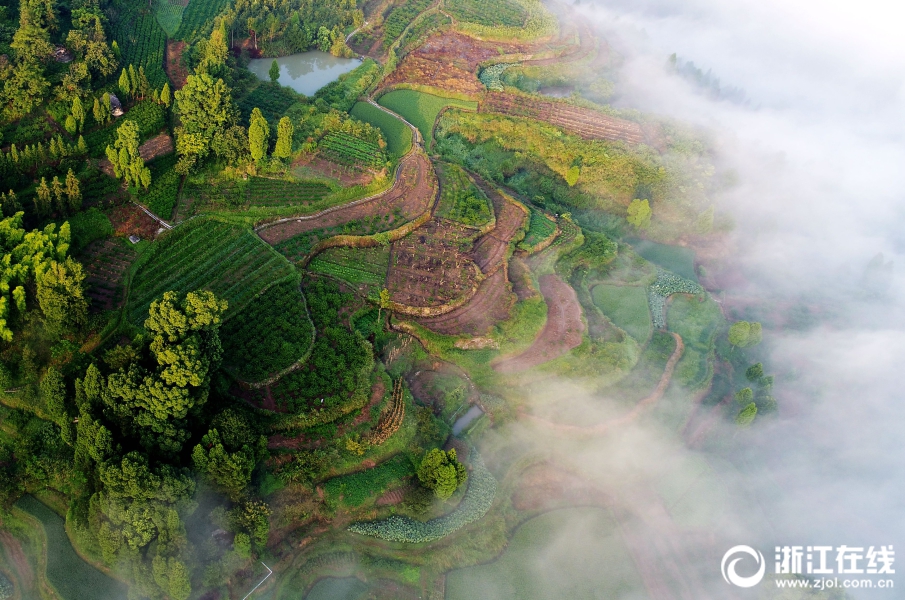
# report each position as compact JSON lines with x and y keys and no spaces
{"x":479,"y":497}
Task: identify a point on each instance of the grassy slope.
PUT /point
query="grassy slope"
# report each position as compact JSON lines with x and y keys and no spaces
{"x":626,"y":306}
{"x":421,"y":109}
{"x":396,"y":133}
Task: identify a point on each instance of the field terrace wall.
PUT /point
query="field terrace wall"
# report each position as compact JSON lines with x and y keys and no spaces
{"x":412,"y":193}
{"x":585,"y":122}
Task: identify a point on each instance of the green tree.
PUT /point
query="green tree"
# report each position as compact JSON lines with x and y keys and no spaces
{"x":441,"y":472}
{"x":78,"y":112}
{"x":754,"y":372}
{"x":43,"y":199}
{"x":53,"y":393}
{"x":134,"y":83}
{"x":258,"y":135}
{"x":124,"y":85}
{"x":70,"y":125}
{"x":73,"y":192}
{"x":285,"y":130}
{"x":59,"y":195}
{"x":383,"y":301}
{"x":639,"y":213}
{"x":229,"y":470}
{"x":744,"y":396}
{"x":253,"y":517}
{"x":127,"y":162}
{"x":186,"y":349}
{"x":205,"y":108}
{"x":274,"y":71}
{"x":746,"y":415}
{"x":165,"y":96}
{"x":23,"y":89}
{"x":744,"y":334}
{"x":572,"y":175}
{"x":61,"y":295}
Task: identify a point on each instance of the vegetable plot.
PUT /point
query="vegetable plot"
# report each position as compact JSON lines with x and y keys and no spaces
{"x":346,"y":149}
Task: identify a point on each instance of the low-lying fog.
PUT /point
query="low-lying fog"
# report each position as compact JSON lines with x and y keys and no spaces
{"x":819,"y":153}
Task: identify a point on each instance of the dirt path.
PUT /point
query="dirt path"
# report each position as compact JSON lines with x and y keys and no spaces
{"x":489,"y":305}
{"x":633,"y":414}
{"x":19,"y":564}
{"x":561,"y":333}
{"x":412,"y":194}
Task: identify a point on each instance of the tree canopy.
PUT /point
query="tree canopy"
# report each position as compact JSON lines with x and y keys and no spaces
{"x":441,"y":472}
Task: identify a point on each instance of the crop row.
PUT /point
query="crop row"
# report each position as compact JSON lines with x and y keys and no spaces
{"x":478,"y":499}
{"x":142,"y":42}
{"x":539,"y":229}
{"x":229,"y":261}
{"x":197,"y":15}
{"x":491,"y":13}
{"x":349,"y":150}
{"x":400,"y":17}
{"x":169,"y":15}
{"x":356,"y":488}
{"x":351,"y":274}
{"x":280,"y":313}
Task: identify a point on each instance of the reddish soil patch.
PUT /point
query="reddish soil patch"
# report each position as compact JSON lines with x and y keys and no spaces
{"x":412,"y":195}
{"x":561,"y":332}
{"x":418,"y":70}
{"x":585,"y":122}
{"x":130,"y":220}
{"x":429,"y":268}
{"x":13,"y":551}
{"x":465,"y":52}
{"x":392,"y":497}
{"x":106,"y":261}
{"x":176,"y":71}
{"x":158,"y":145}
{"x":490,"y":305}
{"x":490,"y":249}
{"x":347,"y":176}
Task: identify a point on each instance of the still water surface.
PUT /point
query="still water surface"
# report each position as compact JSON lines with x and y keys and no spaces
{"x":306,"y":72}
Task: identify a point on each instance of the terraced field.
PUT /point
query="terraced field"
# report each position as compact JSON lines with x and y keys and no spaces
{"x":587,"y":123}
{"x":205,"y":254}
{"x":363,"y":268}
{"x":411,"y":195}
{"x":431,"y":266}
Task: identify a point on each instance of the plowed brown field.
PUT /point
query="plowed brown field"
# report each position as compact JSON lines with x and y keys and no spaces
{"x":430,"y":268}
{"x":490,"y":305}
{"x":561,"y":333}
{"x":585,"y":122}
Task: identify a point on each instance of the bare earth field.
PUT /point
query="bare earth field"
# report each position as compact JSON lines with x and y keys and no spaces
{"x":561,"y":333}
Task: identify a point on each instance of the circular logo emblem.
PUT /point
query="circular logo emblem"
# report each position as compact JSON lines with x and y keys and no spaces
{"x":734,"y":578}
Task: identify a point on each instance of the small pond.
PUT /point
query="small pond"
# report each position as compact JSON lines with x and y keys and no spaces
{"x":467,"y":419}
{"x":306,"y":72}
